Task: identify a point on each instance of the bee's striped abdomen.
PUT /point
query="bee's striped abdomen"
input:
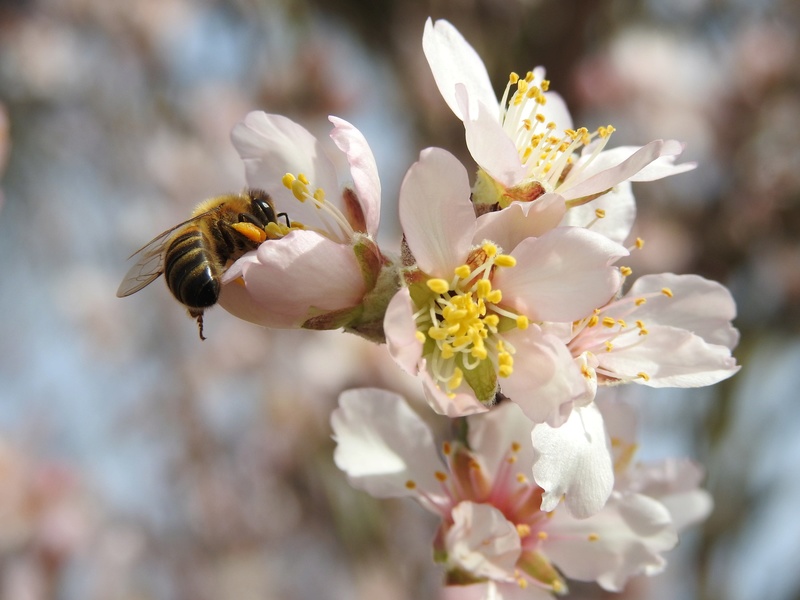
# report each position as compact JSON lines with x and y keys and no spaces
{"x":191,"y":276}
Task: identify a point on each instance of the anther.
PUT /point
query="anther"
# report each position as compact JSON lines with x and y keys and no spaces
{"x":438,"y":286}
{"x":593,"y":537}
{"x":643,"y":375}
{"x":667,"y":292}
{"x":626,"y":271}
{"x":505,"y":260}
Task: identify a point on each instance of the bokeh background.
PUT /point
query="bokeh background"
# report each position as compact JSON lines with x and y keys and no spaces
{"x":138,"y":463}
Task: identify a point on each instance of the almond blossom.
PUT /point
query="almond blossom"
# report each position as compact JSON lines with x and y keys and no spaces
{"x":324,"y":271}
{"x":526,"y":145}
{"x":477,"y":289}
{"x":493,"y":535}
{"x":666,"y":331}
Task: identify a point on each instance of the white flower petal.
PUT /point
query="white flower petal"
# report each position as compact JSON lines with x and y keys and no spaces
{"x":574,"y":460}
{"x":489,"y":144}
{"x":452,"y":60}
{"x":619,"y":206}
{"x":593,"y":179}
{"x":669,"y":357}
{"x":363,"y":169}
{"x":624,"y":539}
{"x":699,"y":305}
{"x":383,"y":445}
{"x":493,"y":433}
{"x":482,"y":542}
{"x":436,"y":214}
{"x":273,"y":145}
{"x":561,"y":276}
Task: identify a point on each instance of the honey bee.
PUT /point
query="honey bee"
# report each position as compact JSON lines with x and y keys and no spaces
{"x":194,"y":254}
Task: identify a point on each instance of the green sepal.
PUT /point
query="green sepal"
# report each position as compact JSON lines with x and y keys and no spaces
{"x":335,"y":319}
{"x":483,"y":380}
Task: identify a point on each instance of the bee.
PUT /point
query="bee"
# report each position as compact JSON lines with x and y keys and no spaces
{"x":194,"y":254}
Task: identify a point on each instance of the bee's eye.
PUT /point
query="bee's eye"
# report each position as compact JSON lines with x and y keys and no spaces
{"x":267,"y":210}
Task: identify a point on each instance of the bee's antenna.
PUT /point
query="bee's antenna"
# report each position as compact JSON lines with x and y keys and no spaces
{"x":285,"y":216}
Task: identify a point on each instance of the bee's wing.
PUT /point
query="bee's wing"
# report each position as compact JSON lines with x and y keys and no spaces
{"x":151,"y":262}
{"x":147,"y":269}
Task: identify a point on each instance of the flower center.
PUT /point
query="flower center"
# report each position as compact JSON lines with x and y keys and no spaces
{"x":336,"y":224}
{"x":547,"y":156}
{"x":608,"y":330}
{"x":461,"y":322}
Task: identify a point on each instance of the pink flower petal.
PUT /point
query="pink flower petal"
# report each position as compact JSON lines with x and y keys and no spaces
{"x":561,"y":276}
{"x":401,"y":332}
{"x":461,"y":403}
{"x":436,"y":214}
{"x":545,"y":382}
{"x":592,"y":180}
{"x":273,"y":145}
{"x":452,"y":60}
{"x":488,"y":143}
{"x":296,"y":277}
{"x":362,"y":168}
{"x":508,"y":227}
{"x":574,"y":460}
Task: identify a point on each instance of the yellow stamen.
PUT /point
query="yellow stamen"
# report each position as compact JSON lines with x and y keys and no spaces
{"x":667,"y":292}
{"x":438,"y":286}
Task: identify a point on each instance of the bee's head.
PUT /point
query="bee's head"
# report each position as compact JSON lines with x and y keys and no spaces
{"x":262,"y":206}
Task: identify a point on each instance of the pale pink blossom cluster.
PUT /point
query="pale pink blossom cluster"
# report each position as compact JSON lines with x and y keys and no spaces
{"x":510,"y":301}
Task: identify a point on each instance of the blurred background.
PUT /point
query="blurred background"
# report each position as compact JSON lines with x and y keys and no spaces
{"x":138,"y":463}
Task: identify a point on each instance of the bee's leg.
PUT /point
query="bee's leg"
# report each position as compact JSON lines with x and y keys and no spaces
{"x":197,"y":314}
